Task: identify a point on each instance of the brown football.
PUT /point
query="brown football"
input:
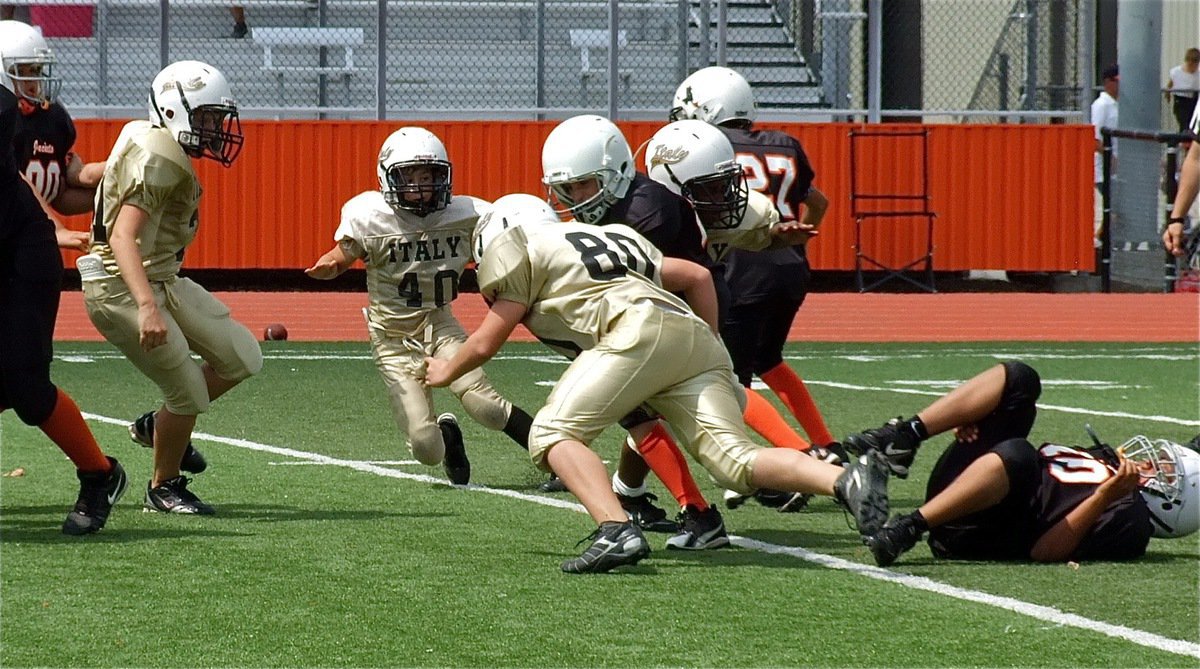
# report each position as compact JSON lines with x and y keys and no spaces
{"x":275,"y":332}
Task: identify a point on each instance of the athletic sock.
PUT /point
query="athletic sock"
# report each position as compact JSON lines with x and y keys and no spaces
{"x":919,"y":521}
{"x":791,"y":389}
{"x":659,"y":451}
{"x":762,"y":417}
{"x":66,"y":428}
{"x":915,"y":428}
{"x":622,"y":488}
{"x":517,"y":426}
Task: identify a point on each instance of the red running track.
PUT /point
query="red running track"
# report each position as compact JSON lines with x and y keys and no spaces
{"x":830,"y":317}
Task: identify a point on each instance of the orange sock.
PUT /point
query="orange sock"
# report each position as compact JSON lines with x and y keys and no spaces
{"x":791,"y":389}
{"x":659,"y":451}
{"x":66,"y":428}
{"x":762,"y":417}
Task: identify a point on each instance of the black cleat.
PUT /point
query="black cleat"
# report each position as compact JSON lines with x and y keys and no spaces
{"x":862,"y":489}
{"x":615,"y":545}
{"x":553,"y":484}
{"x":889,"y":441}
{"x":650,"y":518}
{"x":458,"y":468}
{"x":98,"y":492}
{"x":141,"y":431}
{"x":783,"y":502}
{"x":897,"y":536}
{"x":833,"y":453}
{"x":172,"y":496}
{"x":701,"y":530}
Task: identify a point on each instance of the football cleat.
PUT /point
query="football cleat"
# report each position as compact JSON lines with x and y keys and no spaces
{"x":613,"y":545}
{"x":862,"y":489}
{"x":650,"y":518}
{"x":172,"y":496}
{"x":899,"y":448}
{"x":735,"y":499}
{"x":833,"y":453}
{"x":458,"y":468}
{"x":701,"y":530}
{"x":783,"y":502}
{"x":98,"y":492}
{"x":897,"y":536}
{"x":141,"y":431}
{"x":553,"y":484}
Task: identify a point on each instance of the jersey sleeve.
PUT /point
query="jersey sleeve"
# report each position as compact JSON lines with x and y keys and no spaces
{"x":348,"y":235}
{"x":505,"y":272}
{"x":144,"y":179}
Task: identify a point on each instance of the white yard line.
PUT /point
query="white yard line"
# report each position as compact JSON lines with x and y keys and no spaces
{"x":1045,"y":613}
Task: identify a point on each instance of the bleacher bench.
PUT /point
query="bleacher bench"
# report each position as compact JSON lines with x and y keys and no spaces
{"x":585,"y":40}
{"x":346,"y":38}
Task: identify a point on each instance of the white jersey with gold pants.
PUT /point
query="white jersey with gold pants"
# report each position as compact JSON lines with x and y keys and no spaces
{"x":597,"y":290}
{"x":148,"y":169}
{"x":413,"y":266}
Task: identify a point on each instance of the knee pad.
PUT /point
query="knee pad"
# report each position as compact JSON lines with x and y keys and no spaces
{"x":1022,"y":383}
{"x":248,"y":358}
{"x":1021,"y":463}
{"x":31,"y":395}
{"x":426,"y":444}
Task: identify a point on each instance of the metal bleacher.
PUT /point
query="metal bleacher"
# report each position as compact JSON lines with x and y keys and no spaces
{"x":441,"y":56}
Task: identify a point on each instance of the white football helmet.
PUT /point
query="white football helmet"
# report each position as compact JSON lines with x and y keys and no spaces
{"x":714,"y":95}
{"x":510,"y":211}
{"x":1170,"y":484}
{"x":194,"y":102}
{"x":587,"y":148}
{"x":28,"y":64}
{"x":696,"y":160}
{"x":403,"y":150}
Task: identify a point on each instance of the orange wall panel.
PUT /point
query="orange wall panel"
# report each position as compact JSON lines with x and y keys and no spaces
{"x":1016,"y":197}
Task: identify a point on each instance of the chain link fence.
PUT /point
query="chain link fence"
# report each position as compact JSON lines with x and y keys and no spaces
{"x":940,"y":60}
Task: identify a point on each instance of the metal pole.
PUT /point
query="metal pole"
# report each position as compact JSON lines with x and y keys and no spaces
{"x":1031,"y":54}
{"x":722,"y":31}
{"x":381,"y":63}
{"x":164,"y":28}
{"x":874,"y":60}
{"x":1106,"y":218}
{"x":613,"y":44}
{"x":682,"y":20}
{"x":322,"y":61}
{"x":1002,"y":82}
{"x":539,"y":20}
{"x":102,"y":55}
{"x":705,"y":36}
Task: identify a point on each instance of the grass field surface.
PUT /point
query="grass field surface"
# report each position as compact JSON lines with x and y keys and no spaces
{"x":332,"y":548}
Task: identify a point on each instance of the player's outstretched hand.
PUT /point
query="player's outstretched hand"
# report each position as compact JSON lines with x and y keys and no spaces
{"x":324,"y":268}
{"x":73,"y":239}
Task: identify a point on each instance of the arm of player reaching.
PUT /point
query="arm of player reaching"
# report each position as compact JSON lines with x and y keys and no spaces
{"x":1060,"y":541}
{"x":1189,"y":186}
{"x":696,"y":284}
{"x":498,"y":323}
{"x":152,"y":329}
{"x":79,"y":188}
{"x":331,"y":265}
{"x":799,"y":232}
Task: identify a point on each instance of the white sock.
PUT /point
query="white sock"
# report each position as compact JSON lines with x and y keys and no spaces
{"x":620,"y":488}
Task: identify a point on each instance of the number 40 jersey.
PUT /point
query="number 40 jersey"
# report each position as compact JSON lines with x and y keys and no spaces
{"x":413,"y":262}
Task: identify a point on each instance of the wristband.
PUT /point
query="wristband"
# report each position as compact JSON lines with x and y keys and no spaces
{"x":1176,"y":219}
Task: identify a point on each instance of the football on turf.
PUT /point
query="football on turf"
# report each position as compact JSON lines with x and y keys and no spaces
{"x":275,"y":332}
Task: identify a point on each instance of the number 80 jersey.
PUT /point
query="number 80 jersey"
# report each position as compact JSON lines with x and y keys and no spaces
{"x":413,"y":263}
{"x":575,"y":279}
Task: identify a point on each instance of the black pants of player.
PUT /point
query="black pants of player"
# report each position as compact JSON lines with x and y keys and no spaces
{"x":30,"y":285}
{"x":1003,"y":531}
{"x":755,"y":334}
{"x":1183,"y":107}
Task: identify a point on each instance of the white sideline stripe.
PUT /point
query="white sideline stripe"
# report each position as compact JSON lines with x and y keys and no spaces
{"x":1048,"y":407}
{"x":1046,"y":613}
{"x":394,"y":463}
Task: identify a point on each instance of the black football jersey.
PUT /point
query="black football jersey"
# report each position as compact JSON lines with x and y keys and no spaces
{"x":662,"y":217}
{"x":1070,"y":475}
{"x":19,"y":204}
{"x":774,"y":164}
{"x":41,"y":144}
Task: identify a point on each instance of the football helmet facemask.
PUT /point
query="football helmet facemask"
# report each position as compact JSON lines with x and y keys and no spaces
{"x":28,"y":64}
{"x":714,"y":95}
{"x":696,"y":160}
{"x":1170,"y":484}
{"x":414,"y":172}
{"x":194,"y":102}
{"x":581,"y":149}
{"x":510,"y":211}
